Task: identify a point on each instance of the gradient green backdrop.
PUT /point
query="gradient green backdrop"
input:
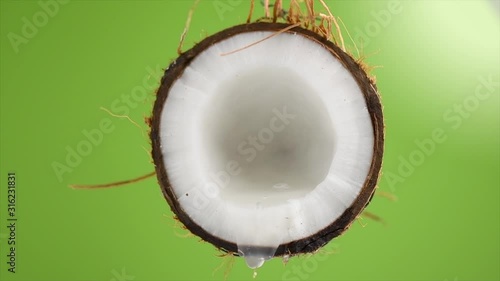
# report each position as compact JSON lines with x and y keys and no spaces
{"x":88,"y":54}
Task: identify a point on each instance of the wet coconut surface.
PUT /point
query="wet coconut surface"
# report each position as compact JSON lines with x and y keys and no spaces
{"x":210,"y":141}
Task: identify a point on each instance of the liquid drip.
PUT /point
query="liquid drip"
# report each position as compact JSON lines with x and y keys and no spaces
{"x":256,"y":256}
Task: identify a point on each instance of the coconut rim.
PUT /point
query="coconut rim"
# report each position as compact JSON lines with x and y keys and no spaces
{"x":368,"y":88}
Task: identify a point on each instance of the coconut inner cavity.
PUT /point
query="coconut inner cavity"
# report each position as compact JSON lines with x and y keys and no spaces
{"x":268,"y":137}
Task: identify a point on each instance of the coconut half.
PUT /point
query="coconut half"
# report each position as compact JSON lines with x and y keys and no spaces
{"x":271,"y":150}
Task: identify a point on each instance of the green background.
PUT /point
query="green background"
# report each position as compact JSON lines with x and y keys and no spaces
{"x":444,"y":225}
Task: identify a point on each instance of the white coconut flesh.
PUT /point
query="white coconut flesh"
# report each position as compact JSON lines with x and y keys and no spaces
{"x":268,"y":145}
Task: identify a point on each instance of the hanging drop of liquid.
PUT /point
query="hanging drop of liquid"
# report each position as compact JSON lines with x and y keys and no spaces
{"x":256,"y":256}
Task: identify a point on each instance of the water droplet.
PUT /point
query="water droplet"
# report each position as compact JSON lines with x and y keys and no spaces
{"x":254,"y":262}
{"x":256,"y":256}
